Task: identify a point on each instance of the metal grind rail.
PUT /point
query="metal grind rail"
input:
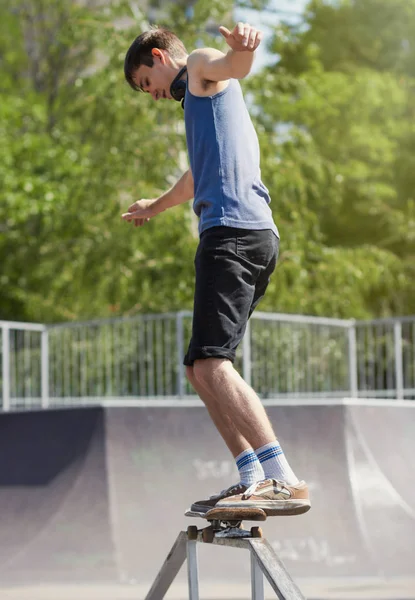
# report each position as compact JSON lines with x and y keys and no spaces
{"x":264,"y":561}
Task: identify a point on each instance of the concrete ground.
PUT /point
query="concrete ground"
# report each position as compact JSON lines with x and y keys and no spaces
{"x":336,"y":589}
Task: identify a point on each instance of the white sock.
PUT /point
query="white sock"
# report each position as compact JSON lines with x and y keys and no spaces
{"x":274,"y":463}
{"x":249,"y":467}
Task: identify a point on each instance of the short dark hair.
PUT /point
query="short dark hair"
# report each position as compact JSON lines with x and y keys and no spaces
{"x":139,"y":53}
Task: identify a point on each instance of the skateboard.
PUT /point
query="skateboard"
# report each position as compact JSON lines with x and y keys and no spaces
{"x":226,"y":523}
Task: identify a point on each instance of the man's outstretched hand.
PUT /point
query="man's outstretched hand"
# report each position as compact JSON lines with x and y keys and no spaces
{"x":242,"y":38}
{"x":140,"y":212}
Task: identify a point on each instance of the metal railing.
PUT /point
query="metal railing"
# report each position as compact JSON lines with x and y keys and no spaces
{"x":264,"y":562}
{"x":281,"y":356}
{"x":386,"y":357}
{"x":24,"y":365}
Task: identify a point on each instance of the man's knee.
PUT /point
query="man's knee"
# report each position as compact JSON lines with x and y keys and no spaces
{"x":189,"y":373}
{"x":207,"y":370}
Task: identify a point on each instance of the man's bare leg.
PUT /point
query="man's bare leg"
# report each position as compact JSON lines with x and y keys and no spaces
{"x":235,"y":408}
{"x":223,"y":422}
{"x":241,"y":419}
{"x":239,"y":414}
{"x":247,"y":463}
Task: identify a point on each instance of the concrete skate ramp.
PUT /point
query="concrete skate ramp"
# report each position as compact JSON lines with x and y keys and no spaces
{"x":54,"y":519}
{"x":381,"y":446}
{"x":99,"y":494}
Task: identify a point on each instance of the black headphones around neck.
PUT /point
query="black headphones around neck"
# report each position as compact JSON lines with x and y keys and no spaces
{"x":178,"y":87}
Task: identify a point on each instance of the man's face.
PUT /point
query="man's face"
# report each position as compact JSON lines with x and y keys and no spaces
{"x":156,"y":80}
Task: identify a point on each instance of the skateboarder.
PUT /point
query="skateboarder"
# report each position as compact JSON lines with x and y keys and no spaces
{"x":237,"y":251}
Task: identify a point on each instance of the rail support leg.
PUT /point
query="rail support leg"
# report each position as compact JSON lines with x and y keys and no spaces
{"x":170,"y":568}
{"x":257,"y":579}
{"x":192,"y":570}
{"x":264,"y":562}
{"x":274,"y":570}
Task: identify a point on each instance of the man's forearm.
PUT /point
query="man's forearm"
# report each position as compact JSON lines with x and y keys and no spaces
{"x":181,"y":192}
{"x":240,"y":62}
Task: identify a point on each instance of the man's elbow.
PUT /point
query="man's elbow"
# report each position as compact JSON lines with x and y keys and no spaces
{"x":240,"y":73}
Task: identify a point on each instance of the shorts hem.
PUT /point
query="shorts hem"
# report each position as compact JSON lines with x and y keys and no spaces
{"x":204,"y":352}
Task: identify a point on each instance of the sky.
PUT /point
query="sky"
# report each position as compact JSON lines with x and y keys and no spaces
{"x":266,"y":20}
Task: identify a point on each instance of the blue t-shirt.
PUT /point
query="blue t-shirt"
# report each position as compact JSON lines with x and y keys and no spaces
{"x":224,"y":157}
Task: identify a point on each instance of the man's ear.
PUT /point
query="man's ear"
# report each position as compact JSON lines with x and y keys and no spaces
{"x":158,"y":54}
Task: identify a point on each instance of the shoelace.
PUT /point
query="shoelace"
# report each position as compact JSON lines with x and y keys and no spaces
{"x":232,"y":488}
{"x":252,"y":488}
{"x":250,"y":491}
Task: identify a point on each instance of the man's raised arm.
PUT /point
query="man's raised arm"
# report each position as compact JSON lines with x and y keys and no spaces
{"x":214,"y":65}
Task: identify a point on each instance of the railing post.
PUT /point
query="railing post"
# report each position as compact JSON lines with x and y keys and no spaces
{"x":44,"y":367}
{"x":5,"y":338}
{"x":180,"y":388}
{"x":246,"y":355}
{"x":353,"y":382}
{"x":397,"y":334}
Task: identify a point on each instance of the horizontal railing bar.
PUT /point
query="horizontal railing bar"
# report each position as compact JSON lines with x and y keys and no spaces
{"x":112,"y":320}
{"x":310,"y":320}
{"x":285,"y":317}
{"x":16,"y":325}
{"x":386,"y":321}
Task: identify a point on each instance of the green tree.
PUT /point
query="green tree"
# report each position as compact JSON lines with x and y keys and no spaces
{"x":341,"y":128}
{"x":77,"y":148}
{"x":334,"y":114}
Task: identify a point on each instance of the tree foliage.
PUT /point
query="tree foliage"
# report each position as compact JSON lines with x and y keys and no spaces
{"x":335,"y":117}
{"x":342,"y":127}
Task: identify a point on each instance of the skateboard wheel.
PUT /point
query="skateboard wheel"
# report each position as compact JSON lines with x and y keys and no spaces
{"x":256,"y":532}
{"x":192,"y":532}
{"x":207,"y":535}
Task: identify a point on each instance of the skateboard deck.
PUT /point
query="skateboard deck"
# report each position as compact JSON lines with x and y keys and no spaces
{"x":236,"y":514}
{"x":227,"y":522}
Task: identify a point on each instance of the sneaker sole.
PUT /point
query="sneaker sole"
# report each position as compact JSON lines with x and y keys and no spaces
{"x":199,"y":508}
{"x":273,"y":508}
{"x":194,"y":513}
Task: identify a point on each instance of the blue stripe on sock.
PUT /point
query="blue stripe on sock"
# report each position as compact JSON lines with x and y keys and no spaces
{"x":276,"y":447}
{"x":269,"y":454}
{"x":246,"y":460}
{"x":266,"y":455}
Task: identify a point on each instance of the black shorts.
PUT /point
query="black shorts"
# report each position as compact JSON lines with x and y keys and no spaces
{"x":233,"y":267}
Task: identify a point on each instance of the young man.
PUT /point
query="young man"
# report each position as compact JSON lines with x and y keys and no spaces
{"x":237,"y":252}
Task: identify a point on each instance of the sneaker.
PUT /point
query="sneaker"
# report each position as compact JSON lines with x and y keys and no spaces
{"x":202,"y":506}
{"x":274,"y":497}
